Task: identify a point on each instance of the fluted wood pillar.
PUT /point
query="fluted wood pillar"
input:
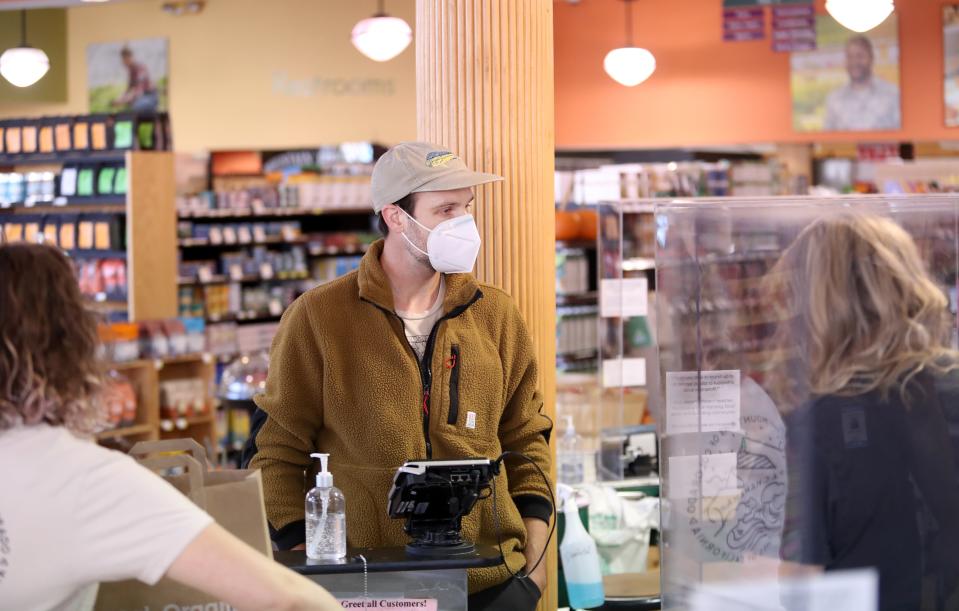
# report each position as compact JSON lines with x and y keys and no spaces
{"x":484,"y":88}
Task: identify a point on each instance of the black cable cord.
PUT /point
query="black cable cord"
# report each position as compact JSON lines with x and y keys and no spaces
{"x":499,"y":533}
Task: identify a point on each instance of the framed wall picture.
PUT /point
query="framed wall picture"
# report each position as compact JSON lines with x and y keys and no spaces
{"x":850,"y":82}
{"x":128,"y":76}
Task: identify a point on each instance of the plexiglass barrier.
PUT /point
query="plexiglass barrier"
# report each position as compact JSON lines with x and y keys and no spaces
{"x":809,"y":430}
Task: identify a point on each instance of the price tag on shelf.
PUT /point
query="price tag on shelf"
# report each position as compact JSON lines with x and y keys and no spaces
{"x":266,"y":271}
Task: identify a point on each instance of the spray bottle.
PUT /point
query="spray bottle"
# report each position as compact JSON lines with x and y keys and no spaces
{"x":570,"y":456}
{"x":325,"y":517}
{"x":584,"y":578}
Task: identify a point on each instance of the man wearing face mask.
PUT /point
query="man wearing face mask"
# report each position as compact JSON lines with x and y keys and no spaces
{"x":407,"y":358}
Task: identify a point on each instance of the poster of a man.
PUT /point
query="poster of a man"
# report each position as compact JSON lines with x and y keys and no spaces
{"x":141,"y":93}
{"x":128,"y":76}
{"x":850,"y":82}
{"x":866,"y":102}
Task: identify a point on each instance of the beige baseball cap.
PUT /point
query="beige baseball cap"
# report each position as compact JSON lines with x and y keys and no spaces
{"x":414,"y":167}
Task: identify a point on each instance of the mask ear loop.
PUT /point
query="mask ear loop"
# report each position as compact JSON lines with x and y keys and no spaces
{"x":406,"y":237}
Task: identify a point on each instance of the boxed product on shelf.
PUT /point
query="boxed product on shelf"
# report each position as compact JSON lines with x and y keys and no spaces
{"x":256,"y":338}
{"x":103,"y":279}
{"x":183,"y":398}
{"x":221,"y":338}
{"x":120,"y":342}
{"x":572,"y":272}
{"x":195,"y":329}
{"x":119,"y":400}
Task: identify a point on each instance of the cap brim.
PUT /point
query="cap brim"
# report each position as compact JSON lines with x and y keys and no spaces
{"x":457,"y":179}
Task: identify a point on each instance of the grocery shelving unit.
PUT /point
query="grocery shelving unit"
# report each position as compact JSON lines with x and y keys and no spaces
{"x":313,"y":225}
{"x":149,"y":219}
{"x":147,"y":375}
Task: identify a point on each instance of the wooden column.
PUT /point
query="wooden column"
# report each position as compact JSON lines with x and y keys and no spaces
{"x":484,"y":88}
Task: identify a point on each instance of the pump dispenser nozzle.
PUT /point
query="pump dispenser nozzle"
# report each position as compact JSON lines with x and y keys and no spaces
{"x":324,"y":479}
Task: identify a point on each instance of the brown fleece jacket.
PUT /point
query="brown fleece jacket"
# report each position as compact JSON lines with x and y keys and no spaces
{"x":344,"y":380}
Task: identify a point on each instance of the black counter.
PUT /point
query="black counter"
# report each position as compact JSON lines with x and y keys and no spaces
{"x":387,"y":559}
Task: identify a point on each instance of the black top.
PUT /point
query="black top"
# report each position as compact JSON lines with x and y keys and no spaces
{"x":872,"y":483}
{"x":387,"y":559}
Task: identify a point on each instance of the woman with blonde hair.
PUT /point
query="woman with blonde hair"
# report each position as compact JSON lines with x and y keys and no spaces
{"x":73,"y":514}
{"x":873,"y":387}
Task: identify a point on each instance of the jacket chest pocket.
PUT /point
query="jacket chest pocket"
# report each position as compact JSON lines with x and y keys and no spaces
{"x":473,"y":391}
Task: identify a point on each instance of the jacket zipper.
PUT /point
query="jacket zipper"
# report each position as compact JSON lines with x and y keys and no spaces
{"x":426,"y":373}
{"x":454,"y":367}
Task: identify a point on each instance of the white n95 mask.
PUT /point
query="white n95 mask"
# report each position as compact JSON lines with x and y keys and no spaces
{"x":452,"y":246}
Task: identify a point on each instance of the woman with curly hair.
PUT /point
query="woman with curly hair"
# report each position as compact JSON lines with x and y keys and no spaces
{"x":73,"y":514}
{"x":872,"y":395}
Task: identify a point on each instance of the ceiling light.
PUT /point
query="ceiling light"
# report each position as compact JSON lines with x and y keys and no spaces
{"x":860,"y":15}
{"x":24,"y":65}
{"x":381,"y":37}
{"x":629,"y":65}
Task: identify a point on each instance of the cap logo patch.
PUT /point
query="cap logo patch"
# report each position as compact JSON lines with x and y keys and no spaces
{"x":439,"y":158}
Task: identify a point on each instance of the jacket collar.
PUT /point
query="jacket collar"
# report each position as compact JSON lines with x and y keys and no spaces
{"x":375,"y":285}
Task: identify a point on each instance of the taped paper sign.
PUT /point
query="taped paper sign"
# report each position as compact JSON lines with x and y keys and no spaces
{"x":710,"y":399}
{"x":417,"y":604}
{"x":619,"y":373}
{"x":624,"y":298}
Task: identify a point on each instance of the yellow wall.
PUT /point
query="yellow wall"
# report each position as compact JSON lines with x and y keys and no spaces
{"x":256,"y":73}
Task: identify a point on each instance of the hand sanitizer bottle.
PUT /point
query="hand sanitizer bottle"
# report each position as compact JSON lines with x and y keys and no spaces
{"x":325,"y":517}
{"x":584,"y":578}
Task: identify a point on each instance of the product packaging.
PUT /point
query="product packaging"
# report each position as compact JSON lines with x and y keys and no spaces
{"x":63,"y":134}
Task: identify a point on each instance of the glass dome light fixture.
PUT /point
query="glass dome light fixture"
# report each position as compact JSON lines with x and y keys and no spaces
{"x":24,"y":65}
{"x":381,"y":37}
{"x":629,"y":65}
{"x":860,"y":15}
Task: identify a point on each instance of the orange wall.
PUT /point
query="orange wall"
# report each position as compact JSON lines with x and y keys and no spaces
{"x":707,"y":92}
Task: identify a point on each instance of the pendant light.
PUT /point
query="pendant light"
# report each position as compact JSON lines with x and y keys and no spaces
{"x":629,"y":65}
{"x":860,"y":15}
{"x":381,"y":37}
{"x":23,"y":65}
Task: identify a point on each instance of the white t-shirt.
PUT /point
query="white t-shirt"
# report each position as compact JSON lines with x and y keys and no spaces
{"x":73,"y":514}
{"x":419,"y":325}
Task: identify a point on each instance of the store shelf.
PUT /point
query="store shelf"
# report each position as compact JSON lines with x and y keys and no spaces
{"x":576,"y":244}
{"x":127,"y":365}
{"x":268,"y":212}
{"x":63,"y":158}
{"x":206,"y":243}
{"x":249,"y":279}
{"x":97,"y":254}
{"x":114,"y":204}
{"x":318,"y":250}
{"x":249,"y":316}
{"x":589,"y":298}
{"x":578,"y":355}
{"x":130,"y":431}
